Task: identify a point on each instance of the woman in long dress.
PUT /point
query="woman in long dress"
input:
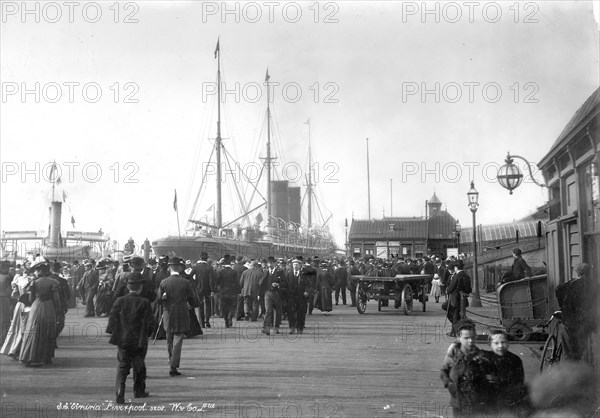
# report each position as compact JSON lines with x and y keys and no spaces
{"x":104,"y":297}
{"x":40,"y":330}
{"x":14,"y":338}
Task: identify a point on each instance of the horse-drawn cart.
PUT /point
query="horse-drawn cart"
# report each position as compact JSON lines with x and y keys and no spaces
{"x":403,"y":289}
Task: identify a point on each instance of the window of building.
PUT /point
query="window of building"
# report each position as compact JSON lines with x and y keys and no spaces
{"x":591,"y":201}
{"x":369,"y":251}
{"x":570,"y":195}
{"x":392,"y":227}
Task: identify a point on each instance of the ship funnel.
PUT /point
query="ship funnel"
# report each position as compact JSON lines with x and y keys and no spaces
{"x":280,"y":200}
{"x":55,"y":216}
{"x":295,"y":204}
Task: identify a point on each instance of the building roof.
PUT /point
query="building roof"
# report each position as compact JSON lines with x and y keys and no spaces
{"x":439,"y":226}
{"x":499,"y":232}
{"x":434,"y":200}
{"x":388,"y":228}
{"x":589,"y":109}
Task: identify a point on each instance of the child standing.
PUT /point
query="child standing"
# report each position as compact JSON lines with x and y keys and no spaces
{"x":510,"y":392}
{"x":436,"y":288}
{"x":464,"y":373}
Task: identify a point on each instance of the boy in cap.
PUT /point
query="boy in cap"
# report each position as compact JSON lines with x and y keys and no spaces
{"x":131,"y":323}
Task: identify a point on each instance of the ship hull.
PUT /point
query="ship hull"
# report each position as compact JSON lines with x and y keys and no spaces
{"x":189,"y":248}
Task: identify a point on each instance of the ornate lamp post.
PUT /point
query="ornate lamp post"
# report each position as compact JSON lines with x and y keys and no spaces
{"x":473,"y":196}
{"x":510,"y":176}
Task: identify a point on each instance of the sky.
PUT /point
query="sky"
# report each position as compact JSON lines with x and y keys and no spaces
{"x":121,"y":96}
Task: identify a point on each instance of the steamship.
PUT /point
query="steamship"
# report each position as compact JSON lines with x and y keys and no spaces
{"x":273,"y":227}
{"x":75,"y":245}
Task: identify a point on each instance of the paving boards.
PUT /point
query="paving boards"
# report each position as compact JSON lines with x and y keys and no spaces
{"x":344,"y":365}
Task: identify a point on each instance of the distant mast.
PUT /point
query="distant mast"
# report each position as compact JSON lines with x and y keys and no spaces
{"x":268,"y":158}
{"x":368,"y":181}
{"x":309,"y":185}
{"x":219,"y":216}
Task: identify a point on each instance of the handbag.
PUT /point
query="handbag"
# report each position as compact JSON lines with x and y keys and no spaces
{"x":445,"y":305}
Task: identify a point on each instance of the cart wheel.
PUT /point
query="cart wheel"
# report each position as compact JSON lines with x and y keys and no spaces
{"x":361,"y":299}
{"x":551,"y":354}
{"x":379,"y":305}
{"x":407,"y":299}
{"x":520,"y":332}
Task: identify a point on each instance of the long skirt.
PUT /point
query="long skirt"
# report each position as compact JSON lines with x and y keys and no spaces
{"x":39,"y":337}
{"x":14,"y":338}
{"x":104,"y":301}
{"x":6,"y":311}
{"x":195,"y":328}
{"x":323,"y":300}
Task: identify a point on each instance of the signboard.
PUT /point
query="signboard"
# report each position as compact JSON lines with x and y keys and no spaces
{"x":452,"y":252}
{"x":382,"y":252}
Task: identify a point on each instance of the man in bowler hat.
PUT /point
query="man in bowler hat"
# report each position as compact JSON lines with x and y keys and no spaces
{"x":458,"y":289}
{"x":175,"y":295}
{"x":131,"y":322}
{"x":300,"y":281}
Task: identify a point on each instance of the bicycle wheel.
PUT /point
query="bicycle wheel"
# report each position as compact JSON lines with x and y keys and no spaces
{"x":549,"y":353}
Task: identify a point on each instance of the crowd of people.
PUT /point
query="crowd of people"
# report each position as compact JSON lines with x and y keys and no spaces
{"x":172,"y":299}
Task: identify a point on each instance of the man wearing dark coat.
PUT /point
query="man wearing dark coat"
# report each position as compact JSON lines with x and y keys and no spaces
{"x":130,"y":323}
{"x":175,"y":295}
{"x":250,"y":283}
{"x":228,"y":282}
{"x":239,"y":268}
{"x":205,"y":277}
{"x":299,"y":281}
{"x":89,"y":283}
{"x":148,"y":290}
{"x":458,"y":289}
{"x":272,"y":284}
{"x":520,"y":268}
{"x":64,"y":294}
{"x":352,"y":271}
{"x":340,"y":278}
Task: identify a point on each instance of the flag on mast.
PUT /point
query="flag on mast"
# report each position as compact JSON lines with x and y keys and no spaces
{"x":267,"y":76}
{"x":217,"y":49}
{"x":64,"y":196}
{"x":175,"y":201}
{"x":73,"y":221}
{"x":211,"y":207}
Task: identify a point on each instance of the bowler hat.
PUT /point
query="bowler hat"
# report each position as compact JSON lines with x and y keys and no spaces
{"x":271,"y":259}
{"x":203,"y":255}
{"x":175,"y":261}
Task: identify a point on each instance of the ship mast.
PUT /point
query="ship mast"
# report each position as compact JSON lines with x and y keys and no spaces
{"x":309,"y":191}
{"x":219,"y":216}
{"x":268,"y":158}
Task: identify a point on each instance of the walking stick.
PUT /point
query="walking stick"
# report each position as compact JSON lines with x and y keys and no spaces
{"x":158,"y":328}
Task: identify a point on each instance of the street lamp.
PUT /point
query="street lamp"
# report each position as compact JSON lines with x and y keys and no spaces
{"x":473,"y":196}
{"x":510,"y":176}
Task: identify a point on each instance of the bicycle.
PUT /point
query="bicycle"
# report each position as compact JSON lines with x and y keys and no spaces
{"x":553,"y":347}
